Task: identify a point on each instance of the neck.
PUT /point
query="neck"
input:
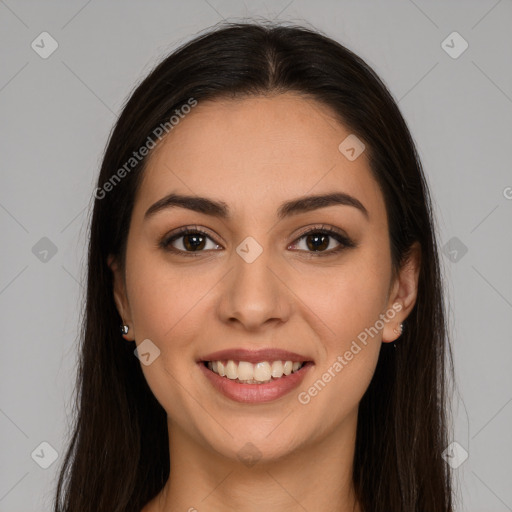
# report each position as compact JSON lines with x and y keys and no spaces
{"x":317,"y":476}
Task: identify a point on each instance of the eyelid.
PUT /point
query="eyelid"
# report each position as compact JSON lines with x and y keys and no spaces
{"x":167,"y":239}
{"x":344,"y":241}
{"x":321,"y":227}
{"x":341,"y":237}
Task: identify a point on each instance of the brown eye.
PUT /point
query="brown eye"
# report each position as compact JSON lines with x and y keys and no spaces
{"x":194,"y":242}
{"x":318,"y":242}
{"x":190,"y":240}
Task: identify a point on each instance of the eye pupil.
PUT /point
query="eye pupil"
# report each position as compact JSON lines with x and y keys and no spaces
{"x":317,"y":241}
{"x":324,"y":243}
{"x":195,"y":244}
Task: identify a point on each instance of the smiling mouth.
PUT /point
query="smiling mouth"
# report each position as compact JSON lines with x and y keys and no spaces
{"x":263,"y":372}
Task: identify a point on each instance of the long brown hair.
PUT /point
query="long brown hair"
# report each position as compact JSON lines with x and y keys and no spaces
{"x":118,"y":454}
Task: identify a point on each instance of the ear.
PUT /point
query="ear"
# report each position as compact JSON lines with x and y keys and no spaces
{"x":404,"y":291}
{"x":120,"y":296}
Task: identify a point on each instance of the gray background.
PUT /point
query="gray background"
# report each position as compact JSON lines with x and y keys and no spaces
{"x":56,"y":116}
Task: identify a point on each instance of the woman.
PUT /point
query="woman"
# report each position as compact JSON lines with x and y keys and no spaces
{"x":263,"y":235}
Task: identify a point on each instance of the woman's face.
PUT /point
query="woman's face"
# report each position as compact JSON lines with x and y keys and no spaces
{"x":255,"y":281}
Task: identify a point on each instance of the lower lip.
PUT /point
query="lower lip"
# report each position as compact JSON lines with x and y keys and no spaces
{"x":256,"y":393}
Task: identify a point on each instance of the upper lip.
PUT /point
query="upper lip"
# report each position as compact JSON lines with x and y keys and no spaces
{"x":254,"y":356}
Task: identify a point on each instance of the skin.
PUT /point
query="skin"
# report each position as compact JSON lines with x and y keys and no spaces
{"x":254,"y":154}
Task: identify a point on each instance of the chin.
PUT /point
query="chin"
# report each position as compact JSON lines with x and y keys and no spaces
{"x":256,"y":445}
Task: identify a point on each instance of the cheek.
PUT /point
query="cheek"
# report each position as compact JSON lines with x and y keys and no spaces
{"x":163,"y":300}
{"x":347,"y":297}
{"x":347,"y":300}
{"x":167,"y":308}
{"x":347,"y":309}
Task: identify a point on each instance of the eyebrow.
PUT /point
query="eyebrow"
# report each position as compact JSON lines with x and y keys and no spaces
{"x":221,"y":210}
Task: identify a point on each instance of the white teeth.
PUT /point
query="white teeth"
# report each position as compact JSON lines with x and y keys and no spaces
{"x":250,"y":373}
{"x":231,"y":370}
{"x":245,"y":370}
{"x":277,"y":369}
{"x":262,"y":372}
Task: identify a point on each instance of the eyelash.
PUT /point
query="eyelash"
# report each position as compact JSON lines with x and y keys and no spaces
{"x":345,"y":242}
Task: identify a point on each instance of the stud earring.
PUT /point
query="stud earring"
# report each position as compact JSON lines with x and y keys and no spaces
{"x":399,"y":331}
{"x":124,"y":329}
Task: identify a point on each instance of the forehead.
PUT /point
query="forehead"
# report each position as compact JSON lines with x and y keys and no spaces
{"x":255,"y":151}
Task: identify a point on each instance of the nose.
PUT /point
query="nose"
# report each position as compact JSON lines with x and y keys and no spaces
{"x":254,"y":293}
